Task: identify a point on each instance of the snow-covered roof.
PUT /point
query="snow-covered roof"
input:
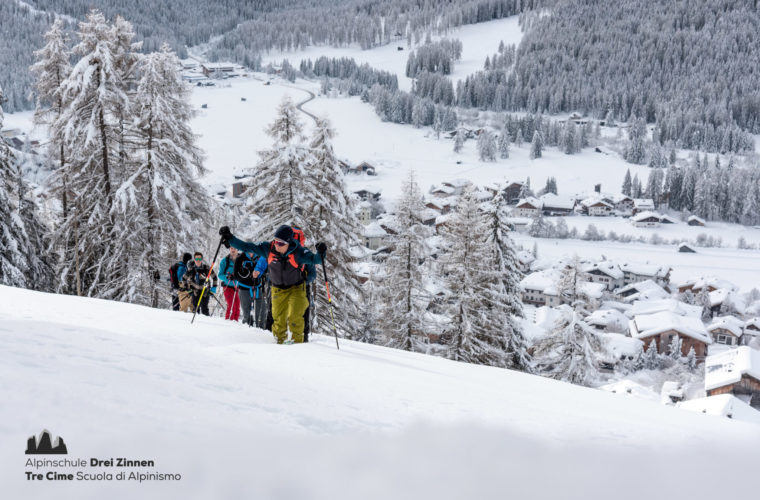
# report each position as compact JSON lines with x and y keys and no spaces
{"x":723,"y":405}
{"x":529,"y":202}
{"x":544,"y":281}
{"x":695,"y":219}
{"x":592,"y":290}
{"x":707,"y":281}
{"x":374,"y":230}
{"x":643,"y":290}
{"x":525,"y":257}
{"x":518,"y":221}
{"x":650,"y":270}
{"x":607,"y":267}
{"x":730,"y":323}
{"x":729,"y":366}
{"x":643,"y":203}
{"x":547,"y":317}
{"x":647,"y":325}
{"x":686,"y":247}
{"x":620,"y":345}
{"x":551,"y":200}
{"x":631,"y":388}
{"x":669,"y":305}
{"x":444,"y":189}
{"x":595,"y":202}
{"x":608,"y":318}
{"x":668,"y":219}
{"x":719,"y":296}
{"x":646,"y":215}
{"x":753,"y":322}
{"x":457,"y":183}
{"x":364,"y":204}
{"x":670,"y":389}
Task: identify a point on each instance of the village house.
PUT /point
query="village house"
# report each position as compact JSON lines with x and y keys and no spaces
{"x":695,"y":221}
{"x":599,"y":208}
{"x":457,"y":185}
{"x":366,"y":195}
{"x":635,"y":272}
{"x":443,"y":191}
{"x":362,"y":168}
{"x":685,"y":248}
{"x":642,"y":205}
{"x":364,"y":212}
{"x":527,"y":207}
{"x":662,"y":327}
{"x":225,"y":69}
{"x":644,"y":307}
{"x":540,"y":288}
{"x":712,"y":283}
{"x":751,"y":330}
{"x":524,"y":260}
{"x":556,"y":205}
{"x":608,"y":321}
{"x":726,"y":330}
{"x":646,"y":219}
{"x":737,"y":372}
{"x":642,"y":290}
{"x":512,"y":192}
{"x":374,"y":236}
{"x":604,"y":272}
{"x":623,"y":203}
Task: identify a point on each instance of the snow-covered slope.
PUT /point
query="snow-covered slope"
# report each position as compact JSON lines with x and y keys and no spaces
{"x":240,"y":417}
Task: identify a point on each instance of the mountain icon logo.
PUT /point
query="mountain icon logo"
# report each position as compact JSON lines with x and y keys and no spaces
{"x":44,"y":445}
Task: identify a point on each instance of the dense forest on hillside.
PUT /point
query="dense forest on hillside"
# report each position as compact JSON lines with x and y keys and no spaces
{"x":246,"y":27}
{"x":690,"y":65}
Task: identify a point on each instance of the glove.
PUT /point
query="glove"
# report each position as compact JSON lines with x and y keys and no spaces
{"x":213,"y":289}
{"x":226,"y":234}
{"x":321,"y":249}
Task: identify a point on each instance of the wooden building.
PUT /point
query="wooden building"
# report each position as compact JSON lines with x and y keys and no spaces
{"x":737,"y":372}
{"x":662,"y":327}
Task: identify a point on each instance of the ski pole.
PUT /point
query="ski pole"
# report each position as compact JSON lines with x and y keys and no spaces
{"x":329,"y":301}
{"x":205,"y":283}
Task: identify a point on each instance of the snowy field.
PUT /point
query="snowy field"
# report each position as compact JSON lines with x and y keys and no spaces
{"x":238,"y":416}
{"x":741,"y":267}
{"x":478,"y":41}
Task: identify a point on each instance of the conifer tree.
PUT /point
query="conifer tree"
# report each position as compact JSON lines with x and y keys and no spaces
{"x":536,"y":146}
{"x":626,"y":189}
{"x":504,"y":144}
{"x":329,"y":216}
{"x":486,"y":146}
{"x":570,"y":353}
{"x":508,"y":275}
{"x":173,"y":207}
{"x":95,"y":95}
{"x":53,"y":66}
{"x":404,"y":294}
{"x":459,"y":140}
{"x":278,"y":181}
{"x":476,"y":324}
{"x":651,"y":357}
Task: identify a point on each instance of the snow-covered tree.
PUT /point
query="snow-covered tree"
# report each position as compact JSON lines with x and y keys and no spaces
{"x":170,"y":206}
{"x":508,"y":275}
{"x":651,"y":357}
{"x":570,"y":352}
{"x":674,"y":348}
{"x":24,"y":261}
{"x":536,"y":146}
{"x":369,"y":326}
{"x":486,"y":146}
{"x":404,"y":294}
{"x":329,"y":216}
{"x":459,"y":140}
{"x":53,"y":66}
{"x":627,"y":183}
{"x":504,"y":144}
{"x":279,"y":179}
{"x":94,"y":260}
{"x":477,"y":321}
{"x":636,"y":152}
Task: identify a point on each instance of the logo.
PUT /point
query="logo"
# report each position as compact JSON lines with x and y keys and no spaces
{"x":44,"y":445}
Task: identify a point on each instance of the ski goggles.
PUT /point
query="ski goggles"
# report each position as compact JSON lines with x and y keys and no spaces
{"x":280,"y":243}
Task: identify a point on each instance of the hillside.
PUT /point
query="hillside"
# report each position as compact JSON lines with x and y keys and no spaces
{"x":235,"y":414}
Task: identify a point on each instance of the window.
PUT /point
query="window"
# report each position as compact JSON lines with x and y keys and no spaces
{"x":723,"y":339}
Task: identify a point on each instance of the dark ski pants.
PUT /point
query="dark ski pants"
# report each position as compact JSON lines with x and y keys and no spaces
{"x":175,"y":300}
{"x":203,"y":308}
{"x":245,"y":303}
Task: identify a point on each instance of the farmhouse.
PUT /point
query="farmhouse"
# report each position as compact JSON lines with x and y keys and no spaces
{"x":712,"y":283}
{"x":540,"y":288}
{"x":642,"y":290}
{"x":726,"y":330}
{"x":646,"y":219}
{"x":527,"y":207}
{"x":556,"y":205}
{"x":643,"y":205}
{"x":633,"y":272}
{"x":512,"y":192}
{"x":662,"y":327}
{"x":599,"y":208}
{"x":374,"y":236}
{"x":362,"y":168}
{"x":695,"y":221}
{"x":737,"y":372}
{"x":604,"y":272}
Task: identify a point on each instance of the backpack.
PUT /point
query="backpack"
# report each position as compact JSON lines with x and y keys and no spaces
{"x":299,"y":236}
{"x":176,"y":272}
